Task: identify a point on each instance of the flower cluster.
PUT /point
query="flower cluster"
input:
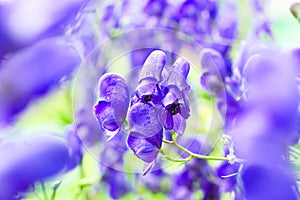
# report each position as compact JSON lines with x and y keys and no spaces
{"x":160,"y":102}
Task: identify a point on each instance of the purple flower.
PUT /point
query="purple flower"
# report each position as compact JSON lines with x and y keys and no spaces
{"x":146,"y":131}
{"x":227,"y":19}
{"x":262,"y":74}
{"x":149,"y":79}
{"x":143,"y":119}
{"x":215,"y":71}
{"x":114,"y":100}
{"x":229,"y":108}
{"x":46,"y":18}
{"x":29,"y":159}
{"x":228,"y":184}
{"x":156,"y":7}
{"x":268,"y":183}
{"x":196,"y":174}
{"x":31,"y":72}
{"x":111,"y":162}
{"x":116,"y":182}
{"x":153,"y":66}
{"x":75,"y":147}
{"x":175,"y":102}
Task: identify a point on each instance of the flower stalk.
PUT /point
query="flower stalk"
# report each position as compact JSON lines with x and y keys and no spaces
{"x":230,"y":158}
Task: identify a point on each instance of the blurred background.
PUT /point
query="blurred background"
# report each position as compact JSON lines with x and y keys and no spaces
{"x":89,"y":41}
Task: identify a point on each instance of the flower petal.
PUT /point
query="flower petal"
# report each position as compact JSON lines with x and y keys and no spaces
{"x":143,"y":118}
{"x":179,"y":124}
{"x":145,"y":148}
{"x":179,"y":73}
{"x":105,"y":115}
{"x":169,"y":121}
{"x":113,"y":89}
{"x":153,"y":66}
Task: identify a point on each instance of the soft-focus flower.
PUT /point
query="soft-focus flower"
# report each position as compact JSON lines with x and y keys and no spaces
{"x":262,"y":183}
{"x":23,"y":22}
{"x":28,"y":159}
{"x":111,"y":164}
{"x":196,"y":175}
{"x":75,"y":146}
{"x":31,"y":72}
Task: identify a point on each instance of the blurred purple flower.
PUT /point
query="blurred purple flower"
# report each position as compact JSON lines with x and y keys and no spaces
{"x":195,"y":175}
{"x":227,"y":19}
{"x":262,"y":74}
{"x":228,"y":184}
{"x":262,"y":183}
{"x":75,"y":147}
{"x":215,"y":70}
{"x":156,"y":7}
{"x":31,"y":72}
{"x":23,"y":22}
{"x":28,"y":159}
{"x":111,"y":162}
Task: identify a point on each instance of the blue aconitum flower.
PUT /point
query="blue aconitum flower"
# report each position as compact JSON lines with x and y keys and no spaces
{"x":28,"y":159}
{"x":114,"y":100}
{"x":229,"y":107}
{"x":150,"y":76}
{"x":146,"y":131}
{"x":226,"y":27}
{"x":23,"y":22}
{"x":32,"y":72}
{"x":175,"y":101}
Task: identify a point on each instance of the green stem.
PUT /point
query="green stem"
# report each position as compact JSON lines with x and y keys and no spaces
{"x":53,"y":194}
{"x":82,"y":176}
{"x":55,"y":187}
{"x":44,"y":190}
{"x":194,"y":155}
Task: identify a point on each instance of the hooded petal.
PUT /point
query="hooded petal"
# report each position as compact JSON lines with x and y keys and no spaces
{"x":178,"y":74}
{"x":213,"y":62}
{"x":146,"y":87}
{"x":112,"y":86}
{"x":153,"y":66}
